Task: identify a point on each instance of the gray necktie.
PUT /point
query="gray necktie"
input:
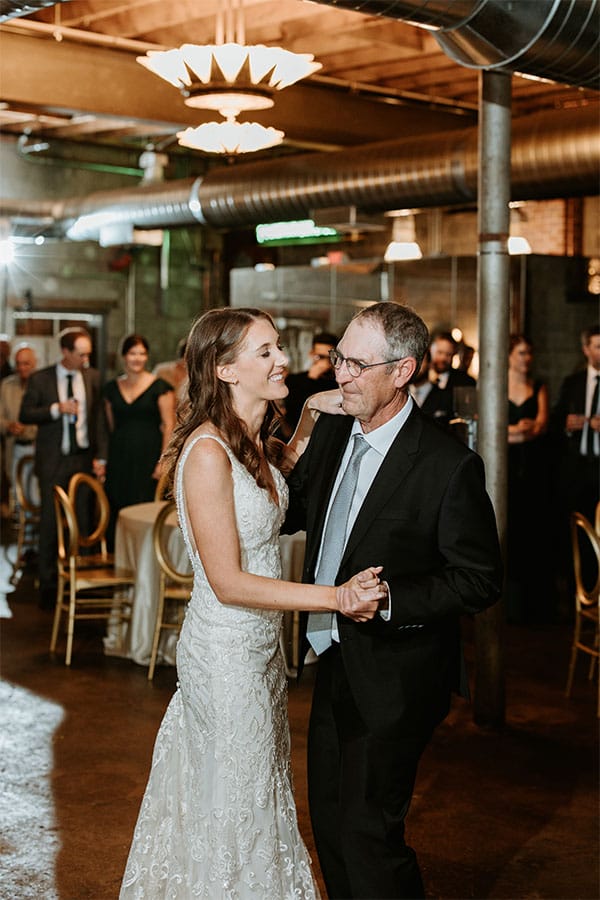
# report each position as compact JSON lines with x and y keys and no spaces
{"x":334,"y":541}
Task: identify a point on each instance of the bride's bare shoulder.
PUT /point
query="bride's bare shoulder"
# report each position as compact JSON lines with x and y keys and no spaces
{"x":211,"y":452}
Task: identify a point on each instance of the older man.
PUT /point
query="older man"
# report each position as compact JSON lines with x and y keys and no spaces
{"x":65,"y":402}
{"x":385,"y":486}
{"x":19,"y":439}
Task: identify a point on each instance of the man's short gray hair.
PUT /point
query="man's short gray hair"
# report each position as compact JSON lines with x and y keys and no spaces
{"x":405,"y":332}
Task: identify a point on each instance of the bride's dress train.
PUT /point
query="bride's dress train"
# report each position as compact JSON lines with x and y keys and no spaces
{"x":218,"y":819}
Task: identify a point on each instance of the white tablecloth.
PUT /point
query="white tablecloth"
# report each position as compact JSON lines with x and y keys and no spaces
{"x":134,"y":550}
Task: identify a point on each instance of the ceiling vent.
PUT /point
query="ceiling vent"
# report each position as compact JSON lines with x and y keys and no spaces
{"x":346,"y":219}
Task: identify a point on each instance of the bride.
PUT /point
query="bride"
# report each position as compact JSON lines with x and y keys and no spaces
{"x":218,"y":819}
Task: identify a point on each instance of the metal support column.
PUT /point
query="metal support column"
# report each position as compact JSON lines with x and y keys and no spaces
{"x":493,"y":314}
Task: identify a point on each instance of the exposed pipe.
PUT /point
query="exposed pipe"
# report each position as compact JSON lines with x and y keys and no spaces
{"x":493,"y":273}
{"x":554,"y":39}
{"x":12,"y":9}
{"x":36,"y":153}
{"x":421,"y":172}
{"x":96,"y":38}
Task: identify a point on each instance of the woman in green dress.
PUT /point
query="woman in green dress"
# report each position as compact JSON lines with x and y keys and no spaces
{"x":140,"y":409}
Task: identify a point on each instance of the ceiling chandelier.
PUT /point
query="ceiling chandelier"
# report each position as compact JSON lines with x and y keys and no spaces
{"x":229,"y":77}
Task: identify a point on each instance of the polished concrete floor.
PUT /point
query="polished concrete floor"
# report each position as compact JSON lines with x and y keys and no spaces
{"x":508,"y":814}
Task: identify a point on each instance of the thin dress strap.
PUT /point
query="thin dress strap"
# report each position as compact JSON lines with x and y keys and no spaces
{"x":179,"y":498}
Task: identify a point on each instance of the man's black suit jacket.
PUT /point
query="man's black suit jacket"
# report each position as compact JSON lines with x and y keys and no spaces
{"x":41,"y":393}
{"x":440,"y":404}
{"x":571,"y":399}
{"x":578,"y":474}
{"x":428,"y":521}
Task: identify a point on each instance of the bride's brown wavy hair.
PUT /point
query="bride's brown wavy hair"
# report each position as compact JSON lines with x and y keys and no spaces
{"x":215,"y":340}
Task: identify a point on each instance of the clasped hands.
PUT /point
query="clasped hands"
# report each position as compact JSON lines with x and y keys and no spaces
{"x":576,"y":421}
{"x":68,"y":407}
{"x":362,"y":596}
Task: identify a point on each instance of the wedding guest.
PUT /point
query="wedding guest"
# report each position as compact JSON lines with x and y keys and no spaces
{"x":440,"y":403}
{"x":576,"y":418}
{"x":529,"y":593}
{"x":174,"y":371}
{"x":5,"y":370}
{"x":19,"y":439}
{"x":5,"y":350}
{"x":140,"y":410}
{"x":318,"y":377}
{"x":65,"y":403}
{"x":575,"y":425}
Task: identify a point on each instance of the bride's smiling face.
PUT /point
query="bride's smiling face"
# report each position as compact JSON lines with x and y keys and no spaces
{"x":260,"y":367}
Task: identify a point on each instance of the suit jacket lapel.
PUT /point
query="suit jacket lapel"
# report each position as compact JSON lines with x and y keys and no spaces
{"x":89,"y":396}
{"x":582,"y":390}
{"x":397,"y":463}
{"x":331,"y":457}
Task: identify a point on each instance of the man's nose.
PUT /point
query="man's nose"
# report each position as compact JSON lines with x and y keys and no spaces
{"x":342,"y":375}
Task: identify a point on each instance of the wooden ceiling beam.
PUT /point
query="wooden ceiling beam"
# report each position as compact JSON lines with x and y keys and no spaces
{"x":64,"y":77}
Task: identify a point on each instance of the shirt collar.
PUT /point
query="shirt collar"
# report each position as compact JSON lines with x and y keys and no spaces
{"x":592,"y":373}
{"x":63,"y":372}
{"x":382,"y":438}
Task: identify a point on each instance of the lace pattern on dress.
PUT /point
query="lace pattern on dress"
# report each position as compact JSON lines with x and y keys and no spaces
{"x":218,"y":819}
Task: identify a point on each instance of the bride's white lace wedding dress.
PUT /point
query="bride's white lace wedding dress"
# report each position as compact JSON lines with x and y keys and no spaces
{"x":218,"y":819}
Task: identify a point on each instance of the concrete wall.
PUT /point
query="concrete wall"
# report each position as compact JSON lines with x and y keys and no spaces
{"x":135,"y":288}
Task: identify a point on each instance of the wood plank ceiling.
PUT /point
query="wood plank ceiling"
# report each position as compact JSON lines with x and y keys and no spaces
{"x":69,"y":73}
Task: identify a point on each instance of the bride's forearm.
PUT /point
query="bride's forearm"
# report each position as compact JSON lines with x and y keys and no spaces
{"x":261,"y":592}
{"x":298,"y":442}
{"x":325,"y":401}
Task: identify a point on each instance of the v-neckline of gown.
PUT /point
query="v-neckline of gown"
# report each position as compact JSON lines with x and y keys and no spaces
{"x":135,"y":399}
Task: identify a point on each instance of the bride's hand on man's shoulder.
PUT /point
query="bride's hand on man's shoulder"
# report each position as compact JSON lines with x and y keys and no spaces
{"x":327,"y":402}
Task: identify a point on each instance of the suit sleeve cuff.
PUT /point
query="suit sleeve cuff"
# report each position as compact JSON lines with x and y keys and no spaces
{"x":386,"y":614}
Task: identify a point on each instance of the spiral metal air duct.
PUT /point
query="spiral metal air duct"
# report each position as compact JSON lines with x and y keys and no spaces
{"x":554,"y":39}
{"x":553,"y":155}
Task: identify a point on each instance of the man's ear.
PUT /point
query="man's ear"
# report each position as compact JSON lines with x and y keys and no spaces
{"x":405,"y":370}
{"x":226,"y":373}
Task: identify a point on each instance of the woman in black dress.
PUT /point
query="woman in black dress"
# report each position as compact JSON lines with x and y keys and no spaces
{"x":141,"y":414}
{"x":528,"y":533}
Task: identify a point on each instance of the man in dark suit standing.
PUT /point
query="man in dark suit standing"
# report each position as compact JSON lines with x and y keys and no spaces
{"x":439,"y":399}
{"x":576,"y":420}
{"x":318,"y":377}
{"x":418,"y":508}
{"x":64,"y":401}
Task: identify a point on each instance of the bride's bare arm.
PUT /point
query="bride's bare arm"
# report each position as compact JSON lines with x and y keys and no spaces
{"x":208,"y":489}
{"x":325,"y":401}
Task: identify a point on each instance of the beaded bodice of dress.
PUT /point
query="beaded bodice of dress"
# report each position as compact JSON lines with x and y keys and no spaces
{"x":258,"y":520}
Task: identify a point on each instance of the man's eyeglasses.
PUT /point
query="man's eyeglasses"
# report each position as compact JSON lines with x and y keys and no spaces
{"x":354,"y":367}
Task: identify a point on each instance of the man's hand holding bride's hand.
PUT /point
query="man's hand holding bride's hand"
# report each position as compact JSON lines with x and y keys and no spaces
{"x":326,"y":402}
{"x":361,"y":596}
